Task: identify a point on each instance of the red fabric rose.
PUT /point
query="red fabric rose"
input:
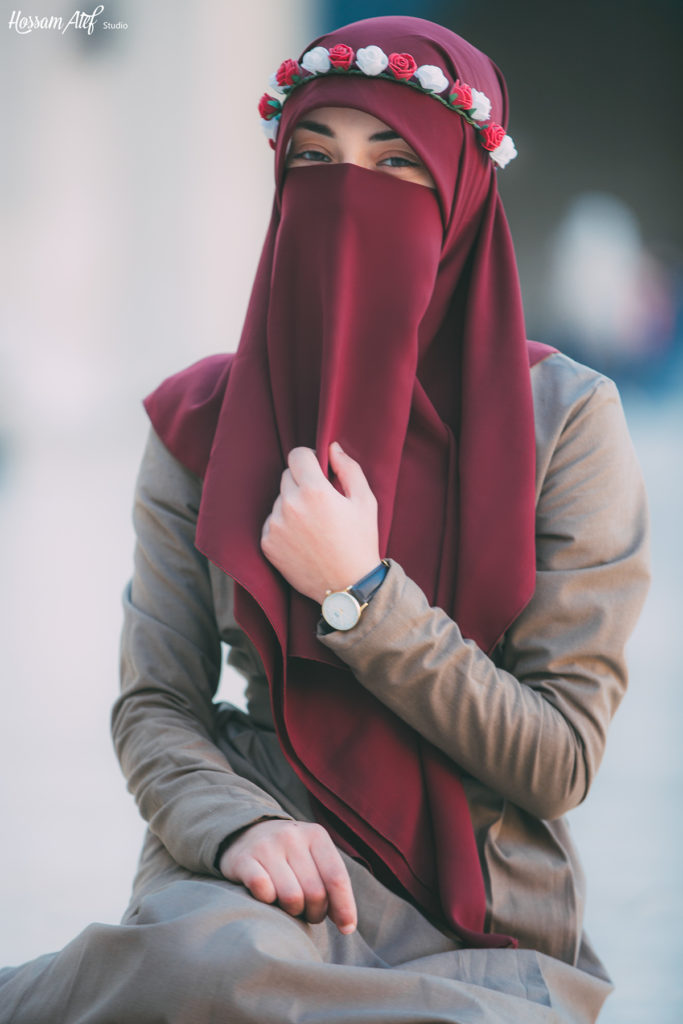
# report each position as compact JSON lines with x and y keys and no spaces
{"x":492,"y":136}
{"x":268,"y":107}
{"x":402,"y":65}
{"x":289,"y":73}
{"x":341,"y":56}
{"x":461,"y":96}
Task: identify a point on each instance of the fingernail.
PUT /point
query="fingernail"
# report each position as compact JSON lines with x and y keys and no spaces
{"x":337,"y":447}
{"x":348,"y":929}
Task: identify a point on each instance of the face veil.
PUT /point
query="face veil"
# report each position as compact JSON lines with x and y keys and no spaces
{"x":386,"y":316}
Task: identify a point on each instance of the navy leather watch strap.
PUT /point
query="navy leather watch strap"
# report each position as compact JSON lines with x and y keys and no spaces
{"x":366,"y":587}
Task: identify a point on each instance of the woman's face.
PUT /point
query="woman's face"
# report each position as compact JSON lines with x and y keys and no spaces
{"x":343,"y":135}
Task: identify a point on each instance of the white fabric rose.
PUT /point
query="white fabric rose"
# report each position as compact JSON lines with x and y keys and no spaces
{"x":431,"y":78}
{"x":271,"y":128}
{"x":481,"y":106}
{"x":273,"y":83}
{"x":505,"y":152}
{"x":371,"y":60}
{"x":317,"y":60}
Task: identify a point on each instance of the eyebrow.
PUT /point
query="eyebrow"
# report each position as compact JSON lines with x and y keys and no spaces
{"x":323,"y":129}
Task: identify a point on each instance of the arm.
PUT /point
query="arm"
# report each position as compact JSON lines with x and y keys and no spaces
{"x":162,"y":723}
{"x":532,"y":728}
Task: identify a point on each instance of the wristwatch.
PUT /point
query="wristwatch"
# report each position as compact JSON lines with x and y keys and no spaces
{"x":341,"y":609}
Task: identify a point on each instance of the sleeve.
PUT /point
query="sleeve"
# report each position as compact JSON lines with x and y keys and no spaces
{"x":163,"y":723}
{"x":533,"y":725}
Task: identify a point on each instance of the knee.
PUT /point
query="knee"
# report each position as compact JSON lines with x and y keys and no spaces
{"x":210,"y":929}
{"x":188,"y":951}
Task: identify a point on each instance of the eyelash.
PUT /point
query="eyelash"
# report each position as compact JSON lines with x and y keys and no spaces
{"x":316,"y":156}
{"x":404,"y":161}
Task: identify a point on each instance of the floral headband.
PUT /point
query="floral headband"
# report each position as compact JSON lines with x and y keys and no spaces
{"x":471,"y":104}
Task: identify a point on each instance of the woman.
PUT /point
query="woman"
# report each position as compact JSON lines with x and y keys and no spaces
{"x":381,"y":836}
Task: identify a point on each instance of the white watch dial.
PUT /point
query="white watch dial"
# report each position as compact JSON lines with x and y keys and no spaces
{"x":341,"y":610}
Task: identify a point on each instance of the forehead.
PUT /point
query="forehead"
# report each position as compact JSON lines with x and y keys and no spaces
{"x":342,"y":119}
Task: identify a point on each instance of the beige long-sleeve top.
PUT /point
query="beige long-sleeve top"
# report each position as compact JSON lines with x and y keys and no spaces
{"x":528,"y":730}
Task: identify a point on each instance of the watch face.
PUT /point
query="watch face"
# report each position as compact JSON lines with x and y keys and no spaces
{"x":341,"y":610}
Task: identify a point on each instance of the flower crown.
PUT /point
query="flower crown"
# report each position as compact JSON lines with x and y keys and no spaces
{"x":467,"y":101}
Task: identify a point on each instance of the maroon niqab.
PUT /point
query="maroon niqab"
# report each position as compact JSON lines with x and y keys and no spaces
{"x":386,"y":316}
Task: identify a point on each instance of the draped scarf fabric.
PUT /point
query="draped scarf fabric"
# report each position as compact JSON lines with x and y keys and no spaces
{"x":387,"y":316}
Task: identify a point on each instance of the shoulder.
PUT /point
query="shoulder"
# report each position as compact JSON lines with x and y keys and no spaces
{"x":573,"y":400}
{"x":184,"y":410}
{"x":589,"y":483}
{"x":560,"y":385}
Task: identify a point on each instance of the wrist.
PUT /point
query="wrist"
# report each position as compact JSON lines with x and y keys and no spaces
{"x":347,"y":575}
{"x":232,"y":837}
{"x":342,"y":609}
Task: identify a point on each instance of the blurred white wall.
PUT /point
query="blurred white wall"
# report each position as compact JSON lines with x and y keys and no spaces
{"x":135,"y":191}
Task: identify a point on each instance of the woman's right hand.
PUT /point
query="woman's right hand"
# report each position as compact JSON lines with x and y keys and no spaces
{"x":296,"y":865}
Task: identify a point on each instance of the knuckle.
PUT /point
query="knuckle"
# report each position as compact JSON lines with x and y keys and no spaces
{"x":316,"y":894}
{"x":312,"y":489}
{"x":290,"y":507}
{"x":261,"y":888}
{"x":293,"y":903}
{"x":252,"y":876}
{"x":267,"y":544}
{"x":317,"y":834}
{"x":290,"y":839}
{"x":257,"y":857}
{"x":338,"y":879}
{"x":257,"y":881}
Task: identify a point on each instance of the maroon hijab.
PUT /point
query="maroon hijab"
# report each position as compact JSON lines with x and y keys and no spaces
{"x":386,"y":316}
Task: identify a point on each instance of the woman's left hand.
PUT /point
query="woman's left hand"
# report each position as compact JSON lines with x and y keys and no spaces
{"x":317,"y":538}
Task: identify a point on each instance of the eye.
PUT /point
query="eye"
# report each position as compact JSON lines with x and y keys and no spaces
{"x":313,"y":155}
{"x":399,"y":161}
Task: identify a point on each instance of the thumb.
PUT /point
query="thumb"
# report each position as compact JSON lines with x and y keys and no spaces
{"x":353,"y":480}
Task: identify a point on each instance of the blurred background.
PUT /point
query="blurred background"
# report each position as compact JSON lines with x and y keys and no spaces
{"x":135,"y":191}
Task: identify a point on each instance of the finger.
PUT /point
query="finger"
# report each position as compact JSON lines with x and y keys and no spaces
{"x":313,"y":888}
{"x":335,"y":878}
{"x":256,"y":879}
{"x":288,"y":485}
{"x":290,"y":895}
{"x":353,"y":480}
{"x":275,"y":516}
{"x":277,"y":508}
{"x":305,"y":468}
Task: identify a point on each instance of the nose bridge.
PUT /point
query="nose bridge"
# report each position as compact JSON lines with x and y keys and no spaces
{"x":355,"y":149}
{"x":360,"y":160}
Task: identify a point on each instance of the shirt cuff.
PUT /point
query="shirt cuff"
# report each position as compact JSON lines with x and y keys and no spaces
{"x":393,"y":606}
